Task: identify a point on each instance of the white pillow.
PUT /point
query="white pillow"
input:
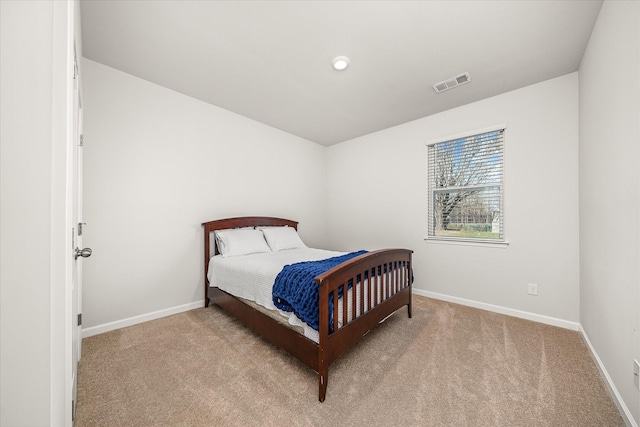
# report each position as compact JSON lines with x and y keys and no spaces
{"x":281,"y":238}
{"x":241,"y":241}
{"x":217,"y":242}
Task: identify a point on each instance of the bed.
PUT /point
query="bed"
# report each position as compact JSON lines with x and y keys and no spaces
{"x":353,"y":298}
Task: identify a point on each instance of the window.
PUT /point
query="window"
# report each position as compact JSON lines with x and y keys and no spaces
{"x":465,"y":187}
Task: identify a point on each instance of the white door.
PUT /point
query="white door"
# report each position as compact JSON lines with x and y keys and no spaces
{"x":79,"y":251}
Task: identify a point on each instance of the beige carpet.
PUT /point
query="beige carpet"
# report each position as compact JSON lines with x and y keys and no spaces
{"x":449,"y":365}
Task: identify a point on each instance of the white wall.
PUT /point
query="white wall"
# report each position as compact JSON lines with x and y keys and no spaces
{"x":157,"y":165}
{"x":609,"y":194}
{"x":377,"y":197}
{"x":35,"y":248}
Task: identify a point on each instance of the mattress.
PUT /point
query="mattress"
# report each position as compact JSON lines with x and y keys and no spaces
{"x":251,"y":278}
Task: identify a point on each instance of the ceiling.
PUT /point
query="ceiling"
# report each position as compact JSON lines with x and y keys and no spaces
{"x":271,"y":60}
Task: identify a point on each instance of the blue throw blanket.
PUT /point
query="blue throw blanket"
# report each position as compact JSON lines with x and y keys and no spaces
{"x":295,"y":290}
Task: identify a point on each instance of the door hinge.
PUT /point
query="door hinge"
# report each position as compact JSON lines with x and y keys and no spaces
{"x":79,"y":319}
{"x":81,"y":141}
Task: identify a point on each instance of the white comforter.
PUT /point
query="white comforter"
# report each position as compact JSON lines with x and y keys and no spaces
{"x":252,"y":276}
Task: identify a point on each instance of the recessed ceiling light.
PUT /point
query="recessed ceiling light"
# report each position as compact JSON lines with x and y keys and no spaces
{"x":340,"y":62}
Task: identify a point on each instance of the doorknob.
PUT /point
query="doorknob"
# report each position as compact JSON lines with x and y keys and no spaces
{"x":84,"y":253}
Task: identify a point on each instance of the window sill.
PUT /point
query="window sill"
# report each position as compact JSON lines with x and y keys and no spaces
{"x":467,"y":242}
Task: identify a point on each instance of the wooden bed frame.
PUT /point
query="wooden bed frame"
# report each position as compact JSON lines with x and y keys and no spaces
{"x":392,"y":272}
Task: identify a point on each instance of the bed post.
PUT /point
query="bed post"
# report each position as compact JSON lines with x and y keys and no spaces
{"x":409,"y":273}
{"x":207,"y":250}
{"x":323,"y":376}
{"x":323,"y":329}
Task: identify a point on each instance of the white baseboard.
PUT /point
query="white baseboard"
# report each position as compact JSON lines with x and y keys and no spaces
{"x":112,"y":326}
{"x":553,"y":321}
{"x":622,"y":407}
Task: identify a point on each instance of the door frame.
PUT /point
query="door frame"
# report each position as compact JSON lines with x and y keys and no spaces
{"x":65,"y":31}
{"x":76,"y":221}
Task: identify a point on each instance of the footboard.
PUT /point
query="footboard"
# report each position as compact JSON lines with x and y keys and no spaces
{"x":355,"y":296}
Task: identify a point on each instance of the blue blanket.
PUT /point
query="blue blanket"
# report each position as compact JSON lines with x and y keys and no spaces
{"x":295,"y":290}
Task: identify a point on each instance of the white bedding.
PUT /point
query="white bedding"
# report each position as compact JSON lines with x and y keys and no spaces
{"x":252,"y":276}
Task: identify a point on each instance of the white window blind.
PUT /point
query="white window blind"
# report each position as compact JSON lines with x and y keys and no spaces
{"x":466,"y":188}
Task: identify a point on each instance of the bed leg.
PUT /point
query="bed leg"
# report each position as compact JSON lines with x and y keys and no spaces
{"x":409,"y":310}
{"x":323,"y":376}
{"x":206,"y":303}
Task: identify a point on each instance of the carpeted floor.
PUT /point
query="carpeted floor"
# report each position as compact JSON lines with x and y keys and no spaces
{"x":449,"y":365}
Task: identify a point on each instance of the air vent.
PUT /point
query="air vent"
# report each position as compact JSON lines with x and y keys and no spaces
{"x":451,"y":83}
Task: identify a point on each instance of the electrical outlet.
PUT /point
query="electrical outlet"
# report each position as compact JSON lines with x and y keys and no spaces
{"x":533,"y":289}
{"x":636,"y":374}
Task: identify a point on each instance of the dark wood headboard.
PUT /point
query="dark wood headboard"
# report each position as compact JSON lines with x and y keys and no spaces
{"x":243,"y":221}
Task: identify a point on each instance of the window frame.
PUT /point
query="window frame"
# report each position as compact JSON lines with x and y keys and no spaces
{"x":474,"y":241}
